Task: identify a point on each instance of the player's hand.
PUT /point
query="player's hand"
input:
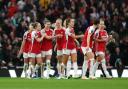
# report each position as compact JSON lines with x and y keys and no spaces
{"x":81,"y":36}
{"x":110,"y":37}
{"x":19,"y":55}
{"x":59,"y":35}
{"x":54,"y":49}
{"x":87,"y":48}
{"x":78,"y":44}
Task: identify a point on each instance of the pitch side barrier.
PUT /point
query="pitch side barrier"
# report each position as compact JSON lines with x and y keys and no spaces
{"x":18,"y":72}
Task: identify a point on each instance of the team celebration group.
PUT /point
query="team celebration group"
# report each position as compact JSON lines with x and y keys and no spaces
{"x":37,"y":47}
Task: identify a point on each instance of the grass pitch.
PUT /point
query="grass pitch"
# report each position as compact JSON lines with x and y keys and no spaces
{"x":20,"y":83}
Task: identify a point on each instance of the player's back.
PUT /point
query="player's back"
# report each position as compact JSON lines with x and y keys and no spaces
{"x":90,"y":30}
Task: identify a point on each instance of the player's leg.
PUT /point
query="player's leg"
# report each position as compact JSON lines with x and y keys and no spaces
{"x":68,"y":67}
{"x":90,"y":57}
{"x":48,"y":58}
{"x":74,"y":61}
{"x":59,"y":62}
{"x":39,"y":62}
{"x":85,"y":63}
{"x":26,"y":62}
{"x":96,"y":64}
{"x":84,"y":68}
{"x":103,"y":63}
{"x":31,"y":68}
{"x":64,"y":64}
{"x":43,"y":63}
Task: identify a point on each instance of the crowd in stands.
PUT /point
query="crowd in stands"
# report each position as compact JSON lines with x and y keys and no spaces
{"x":15,"y":15}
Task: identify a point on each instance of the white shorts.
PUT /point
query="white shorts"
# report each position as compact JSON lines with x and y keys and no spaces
{"x":44,"y":53}
{"x":69,"y":51}
{"x":25,"y":55}
{"x":33,"y":55}
{"x":86,"y":50}
{"x":99,"y":53}
{"x":60,"y":52}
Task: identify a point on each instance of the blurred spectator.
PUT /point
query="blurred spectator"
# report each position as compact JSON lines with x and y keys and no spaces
{"x":15,"y":15}
{"x":12,"y":8}
{"x":107,"y":57}
{"x":116,"y":58}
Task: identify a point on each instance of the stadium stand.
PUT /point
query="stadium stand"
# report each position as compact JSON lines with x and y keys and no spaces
{"x":15,"y":15}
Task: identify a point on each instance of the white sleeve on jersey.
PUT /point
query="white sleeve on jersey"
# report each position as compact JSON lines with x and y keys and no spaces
{"x":42,"y":32}
{"x":67,"y":32}
{"x":91,"y":30}
{"x":25,"y":35}
{"x":96,"y":34}
{"x":33,"y":35}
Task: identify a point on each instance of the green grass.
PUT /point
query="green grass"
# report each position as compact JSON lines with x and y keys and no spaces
{"x":19,"y":83}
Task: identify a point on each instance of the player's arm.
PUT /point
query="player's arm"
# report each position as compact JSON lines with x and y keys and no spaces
{"x":39,"y":39}
{"x":110,"y":38}
{"x":68,"y":33}
{"x":21,"y":48}
{"x":99,"y":40}
{"x":73,"y":35}
{"x":55,"y":47}
{"x":77,"y":42}
{"x":52,"y":37}
{"x":88,"y":39}
{"x":78,"y":36}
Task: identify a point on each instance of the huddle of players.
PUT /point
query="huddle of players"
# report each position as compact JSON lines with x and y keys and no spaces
{"x":37,"y":48}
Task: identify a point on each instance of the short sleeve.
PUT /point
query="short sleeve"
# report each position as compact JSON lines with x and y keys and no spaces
{"x":33,"y":35}
{"x":43,"y":32}
{"x":67,"y":32}
{"x":91,"y":30}
{"x":25,"y":35}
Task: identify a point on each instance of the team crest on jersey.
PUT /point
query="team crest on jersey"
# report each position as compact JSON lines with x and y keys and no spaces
{"x":61,"y":32}
{"x":92,"y":31}
{"x":25,"y":37}
{"x":96,"y":34}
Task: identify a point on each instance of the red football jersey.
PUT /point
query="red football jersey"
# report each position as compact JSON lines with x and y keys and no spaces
{"x":100,"y":46}
{"x":47,"y":43}
{"x":35,"y":46}
{"x":70,"y":41}
{"x":89,"y":30}
{"x":61,"y":42}
{"x":27,"y":38}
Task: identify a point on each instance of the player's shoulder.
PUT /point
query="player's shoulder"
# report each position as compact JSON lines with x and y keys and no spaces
{"x":55,"y":29}
{"x":64,"y":28}
{"x":67,"y":29}
{"x":97,"y":31}
{"x":26,"y":32}
{"x":33,"y":32}
{"x":51,"y":30}
{"x":91,"y":27}
{"x":105,"y":31}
